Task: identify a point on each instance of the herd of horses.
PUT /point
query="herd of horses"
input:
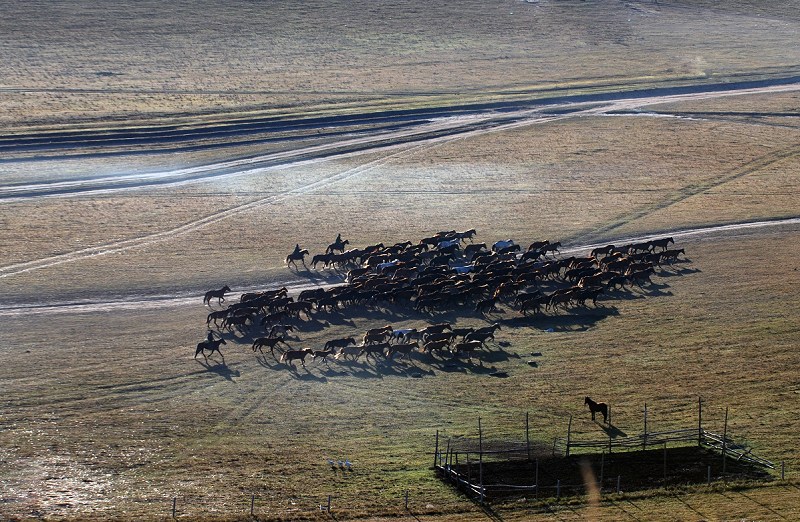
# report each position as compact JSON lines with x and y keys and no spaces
{"x":444,"y":272}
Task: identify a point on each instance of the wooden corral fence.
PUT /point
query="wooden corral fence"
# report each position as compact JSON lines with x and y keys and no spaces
{"x":464,"y":463}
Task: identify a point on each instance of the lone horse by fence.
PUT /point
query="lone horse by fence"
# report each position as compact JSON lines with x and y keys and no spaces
{"x":594,"y":407}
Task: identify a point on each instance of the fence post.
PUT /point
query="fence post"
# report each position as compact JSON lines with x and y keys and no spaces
{"x":665,"y":462}
{"x":447,"y":456}
{"x":783,"y":470}
{"x":480,"y":456}
{"x":619,"y":478}
{"x":537,"y":478}
{"x":558,"y":489}
{"x":436,"y":450}
{"x":644,"y":438}
{"x":527,"y":436}
{"x":699,"y":421}
{"x":725,"y":442}
{"x":708,"y":480}
{"x":328,"y":509}
{"x":469,"y":469}
{"x":174,"y":506}
{"x":569,"y":434}
{"x":602,"y":468}
{"x":252,"y":505}
{"x":406,"y":503}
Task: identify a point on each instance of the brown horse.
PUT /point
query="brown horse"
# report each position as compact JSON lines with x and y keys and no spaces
{"x":218,"y":294}
{"x":269,"y":342}
{"x":290,"y":355}
{"x":594,"y":407}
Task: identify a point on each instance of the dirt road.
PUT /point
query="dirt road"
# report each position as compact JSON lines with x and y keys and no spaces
{"x":192,"y":296}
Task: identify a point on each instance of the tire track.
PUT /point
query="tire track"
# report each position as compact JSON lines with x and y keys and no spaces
{"x":480,"y":124}
{"x":127,"y":244}
{"x":693,"y":190}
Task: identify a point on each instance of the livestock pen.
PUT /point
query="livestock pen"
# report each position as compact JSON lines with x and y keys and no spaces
{"x":488,"y":468}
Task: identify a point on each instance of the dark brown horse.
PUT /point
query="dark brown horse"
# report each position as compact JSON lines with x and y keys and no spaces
{"x":218,"y":294}
{"x":594,"y":407}
{"x":211,"y":346}
{"x":269,"y":342}
{"x":290,"y":355}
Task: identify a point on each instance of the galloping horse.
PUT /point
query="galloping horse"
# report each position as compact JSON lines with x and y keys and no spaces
{"x":297,"y":255}
{"x":661,"y":243}
{"x":211,"y":346}
{"x":594,"y":407}
{"x":219,"y":294}
{"x":290,"y":355}
{"x":269,"y":342}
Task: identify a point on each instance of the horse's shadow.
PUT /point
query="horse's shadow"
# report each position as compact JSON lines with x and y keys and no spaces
{"x":611,"y":430}
{"x":575,"y":321}
{"x":220,"y":369}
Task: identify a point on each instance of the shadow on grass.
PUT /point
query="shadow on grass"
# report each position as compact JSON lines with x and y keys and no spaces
{"x":611,"y":430}
{"x":220,"y":369}
{"x":576,"y":321}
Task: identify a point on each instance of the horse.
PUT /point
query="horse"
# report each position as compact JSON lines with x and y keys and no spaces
{"x":594,"y":407}
{"x":602,"y":251}
{"x":468,"y":234}
{"x":337,"y":246}
{"x":491,"y":328}
{"x":670,"y":256}
{"x":661,"y":243}
{"x":270,"y":342}
{"x":499,"y":245}
{"x":486,"y":306}
{"x":216,"y":316}
{"x":290,"y":355}
{"x":374,"y":350}
{"x":297,"y":255}
{"x":404,"y":349}
{"x":322,"y":354}
{"x":219,"y":294}
{"x":552,"y":247}
{"x":211,"y":346}
{"x":325,"y":259}
{"x":377,"y":334}
{"x":340,"y":343}
{"x":280,"y":330}
{"x":538,"y":245}
{"x":355,"y":351}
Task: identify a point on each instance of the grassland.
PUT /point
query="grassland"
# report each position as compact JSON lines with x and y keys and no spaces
{"x":105,"y":415}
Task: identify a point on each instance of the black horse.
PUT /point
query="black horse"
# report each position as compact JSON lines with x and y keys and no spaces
{"x":594,"y":407}
{"x":211,"y":346}
{"x":218,"y":294}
